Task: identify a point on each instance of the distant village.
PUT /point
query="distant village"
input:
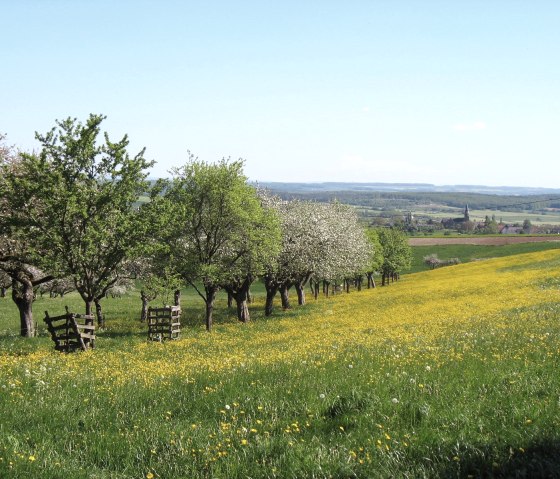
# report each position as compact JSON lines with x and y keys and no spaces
{"x":464,"y":224}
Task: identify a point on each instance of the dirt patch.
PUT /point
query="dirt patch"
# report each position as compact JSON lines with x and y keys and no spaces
{"x":483,"y":240}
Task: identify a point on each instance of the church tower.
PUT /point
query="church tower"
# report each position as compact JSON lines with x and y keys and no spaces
{"x":467,"y":214}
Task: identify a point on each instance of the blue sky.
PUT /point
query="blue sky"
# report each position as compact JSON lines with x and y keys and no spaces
{"x":444,"y":92}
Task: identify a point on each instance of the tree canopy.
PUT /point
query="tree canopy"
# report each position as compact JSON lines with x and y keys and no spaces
{"x":74,"y":203}
{"x":218,"y":231}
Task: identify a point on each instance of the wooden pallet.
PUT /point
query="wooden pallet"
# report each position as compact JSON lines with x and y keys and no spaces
{"x":164,"y":323}
{"x":71,"y":331}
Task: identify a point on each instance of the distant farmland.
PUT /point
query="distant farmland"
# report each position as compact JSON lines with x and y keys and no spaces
{"x":483,"y":240}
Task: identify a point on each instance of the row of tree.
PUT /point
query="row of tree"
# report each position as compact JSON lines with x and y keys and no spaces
{"x":72,"y":212}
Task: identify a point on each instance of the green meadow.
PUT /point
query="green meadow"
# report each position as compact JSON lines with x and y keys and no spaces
{"x":445,"y":373}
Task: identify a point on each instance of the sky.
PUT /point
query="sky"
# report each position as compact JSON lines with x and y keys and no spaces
{"x":416,"y":91}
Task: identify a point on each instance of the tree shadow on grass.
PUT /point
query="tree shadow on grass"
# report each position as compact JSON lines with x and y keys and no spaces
{"x":537,"y":460}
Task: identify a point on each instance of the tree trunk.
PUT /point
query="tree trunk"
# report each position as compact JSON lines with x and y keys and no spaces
{"x":242,"y":309}
{"x":300,"y":290}
{"x":2,"y":292}
{"x":229,"y":300}
{"x":347,"y":281}
{"x":22,"y":295}
{"x":241,"y":300}
{"x":326,"y":286}
{"x":89,"y":306}
{"x":176,"y":297}
{"x":145,"y":302}
{"x":249,"y":296}
{"x":359,"y":283}
{"x":99,"y":314}
{"x":314,"y":285}
{"x":284,"y":296}
{"x":210,"y":297}
{"x":270,"y":294}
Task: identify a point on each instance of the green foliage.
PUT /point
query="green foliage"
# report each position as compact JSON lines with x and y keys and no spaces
{"x":490,"y":225}
{"x":377,"y":256}
{"x":73,"y":204}
{"x":218,"y":232}
{"x":397,"y":254}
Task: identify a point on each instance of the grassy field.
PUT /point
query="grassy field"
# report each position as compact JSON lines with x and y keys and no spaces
{"x":439,"y":212}
{"x":446,"y":373}
{"x":467,"y":252}
{"x":511,"y":217}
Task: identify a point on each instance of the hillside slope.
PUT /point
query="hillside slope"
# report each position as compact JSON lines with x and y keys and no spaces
{"x":451,"y":372}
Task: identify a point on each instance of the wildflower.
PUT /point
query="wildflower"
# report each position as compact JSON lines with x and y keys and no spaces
{"x":395,"y":401}
{"x":321,"y":396}
{"x":228,"y":407}
{"x":149,"y":476}
{"x":32,"y":458}
{"x":428,"y":368}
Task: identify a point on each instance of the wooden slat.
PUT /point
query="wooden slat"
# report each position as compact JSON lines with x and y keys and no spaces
{"x":85,"y":326}
{"x":56,"y":318}
{"x":87,"y":336}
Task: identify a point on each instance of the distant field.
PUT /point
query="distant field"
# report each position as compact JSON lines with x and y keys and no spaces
{"x":472,"y":251}
{"x":551,"y":217}
{"x":439,"y":212}
{"x":483,"y":240}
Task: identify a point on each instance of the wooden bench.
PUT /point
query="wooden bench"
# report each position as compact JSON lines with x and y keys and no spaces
{"x":164,"y":323}
{"x":71,"y":331}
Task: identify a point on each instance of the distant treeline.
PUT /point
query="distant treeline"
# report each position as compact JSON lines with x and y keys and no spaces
{"x":410,"y":200}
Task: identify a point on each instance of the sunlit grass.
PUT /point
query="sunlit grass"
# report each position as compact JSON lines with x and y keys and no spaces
{"x":448,"y":373}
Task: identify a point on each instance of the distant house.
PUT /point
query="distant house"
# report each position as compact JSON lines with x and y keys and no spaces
{"x":510,"y":230}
